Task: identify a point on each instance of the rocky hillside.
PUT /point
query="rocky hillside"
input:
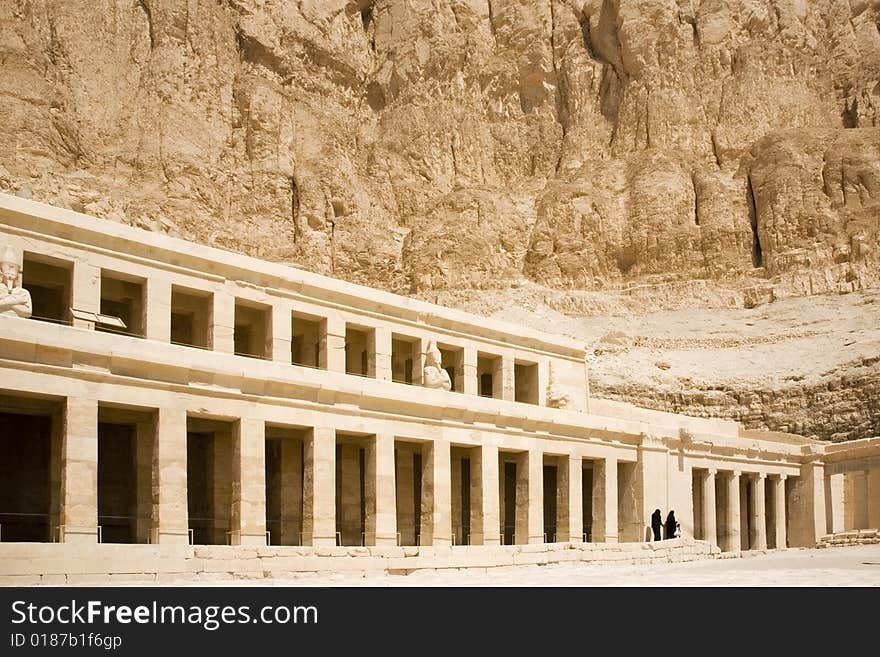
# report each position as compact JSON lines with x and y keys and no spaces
{"x":720,"y":153}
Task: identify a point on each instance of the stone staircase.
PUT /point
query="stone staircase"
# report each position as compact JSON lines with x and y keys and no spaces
{"x":851,"y":537}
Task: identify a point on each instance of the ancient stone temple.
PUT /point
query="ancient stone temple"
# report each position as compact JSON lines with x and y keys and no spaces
{"x":158,"y":396}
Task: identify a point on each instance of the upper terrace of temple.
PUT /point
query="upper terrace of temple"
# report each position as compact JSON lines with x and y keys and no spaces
{"x":172,"y":291}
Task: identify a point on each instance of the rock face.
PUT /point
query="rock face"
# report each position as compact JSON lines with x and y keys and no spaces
{"x":425,"y":146}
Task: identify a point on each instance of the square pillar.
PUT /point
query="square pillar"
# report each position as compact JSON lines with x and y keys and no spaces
{"x":503,"y":379}
{"x":466,"y":375}
{"x":806,"y":506}
{"x":157,"y":310}
{"x":456,"y":501}
{"x":834,"y":502}
{"x":710,"y":531}
{"x":605,"y":500}
{"x":535,"y":496}
{"x":733,"y":513}
{"x":332,"y":356}
{"x":145,"y":433}
{"x":759,"y":513}
{"x":381,"y":519}
{"x":86,"y":293}
{"x":291,"y":492}
{"x":856,"y":500}
{"x":779,"y":492}
{"x":224,"y":470}
{"x":282,"y":332}
{"x":574,"y":480}
{"x":223,"y":323}
{"x":170,"y":510}
{"x":79,"y":472}
{"x":484,"y":495}
{"x":319,"y":488}
{"x":380,"y":353}
{"x":436,"y":494}
{"x":248,"y":516}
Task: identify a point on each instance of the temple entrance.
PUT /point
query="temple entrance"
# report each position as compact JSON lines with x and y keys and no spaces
{"x":513,"y":482}
{"x":209,"y":480}
{"x":408,"y":483}
{"x":587,"y":499}
{"x":550,"y":503}
{"x":284,"y":484}
{"x":355,"y":500}
{"x":464,"y":479}
{"x":30,"y":469}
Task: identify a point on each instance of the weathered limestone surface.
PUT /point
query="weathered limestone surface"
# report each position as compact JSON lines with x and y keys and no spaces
{"x":721,"y":152}
{"x":429,"y":145}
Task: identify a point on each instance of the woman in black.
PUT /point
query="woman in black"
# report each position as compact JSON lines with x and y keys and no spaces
{"x":670,"y":525}
{"x":656,"y":523}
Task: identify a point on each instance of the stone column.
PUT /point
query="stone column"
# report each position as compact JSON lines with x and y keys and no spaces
{"x":144,"y":436}
{"x":806,"y":518}
{"x":503,"y":379}
{"x":170,"y":510}
{"x":575,"y":499}
{"x":332,"y":356}
{"x":536,"y":496}
{"x":282,"y":332}
{"x":605,"y":500}
{"x":834,"y":502}
{"x":522,"y":529}
{"x":224,"y":471}
{"x":856,"y":500}
{"x":417,"y":354}
{"x":223,"y":322}
{"x":405,"y":496}
{"x":319,"y":488}
{"x":456,"y":500}
{"x":86,"y":293}
{"x":874,"y":498}
{"x":79,"y":471}
{"x":436,"y":494}
{"x":382,"y":502}
{"x":291,"y":491}
{"x":248,"y":517}
{"x":379,"y":354}
{"x":157,"y":310}
{"x":467,"y":373}
{"x":759,"y":517}
{"x":733,"y":513}
{"x":485,"y":523}
{"x":710,"y":531}
{"x":779,"y":492}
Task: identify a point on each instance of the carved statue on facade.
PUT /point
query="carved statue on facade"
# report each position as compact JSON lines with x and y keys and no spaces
{"x":15,"y":301}
{"x":558,"y":396}
{"x":433,"y":375}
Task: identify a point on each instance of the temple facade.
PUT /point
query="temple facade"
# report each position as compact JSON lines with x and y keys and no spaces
{"x":156,"y":391}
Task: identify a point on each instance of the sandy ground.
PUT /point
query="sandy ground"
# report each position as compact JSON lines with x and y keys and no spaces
{"x":854,"y":566}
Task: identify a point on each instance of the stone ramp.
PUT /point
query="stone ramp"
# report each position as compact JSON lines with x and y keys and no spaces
{"x":49,"y":564}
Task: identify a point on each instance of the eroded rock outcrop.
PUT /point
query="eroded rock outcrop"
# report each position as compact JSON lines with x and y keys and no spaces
{"x":729,"y":148}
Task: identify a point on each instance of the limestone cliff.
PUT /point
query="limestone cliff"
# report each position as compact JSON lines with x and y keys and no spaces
{"x":440,"y":146}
